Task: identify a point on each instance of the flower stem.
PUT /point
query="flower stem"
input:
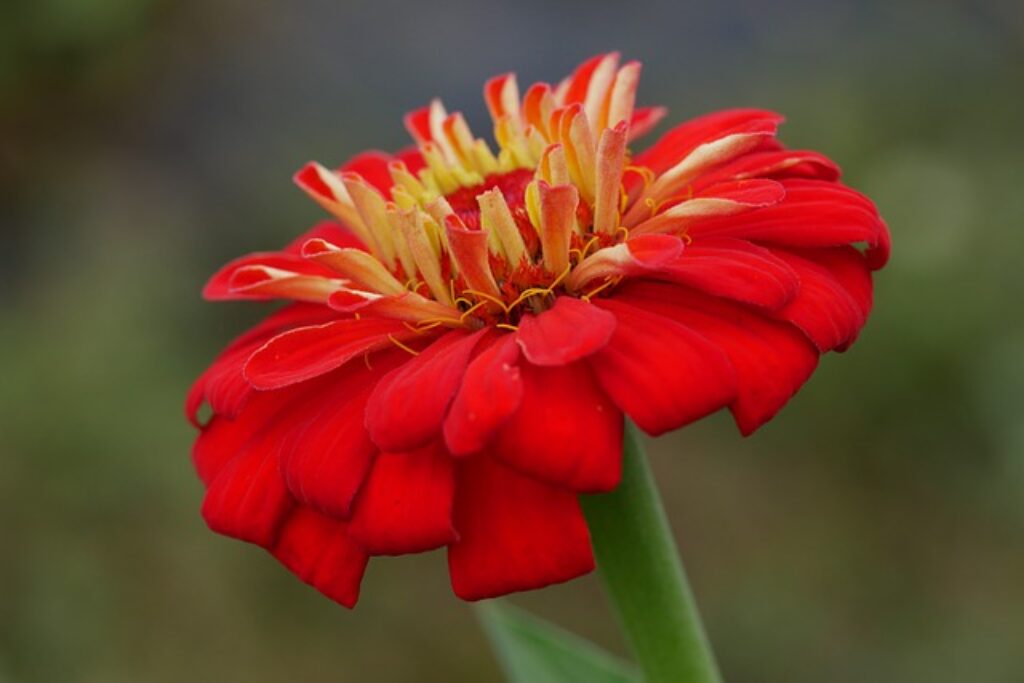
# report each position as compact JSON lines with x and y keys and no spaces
{"x":644,"y":576}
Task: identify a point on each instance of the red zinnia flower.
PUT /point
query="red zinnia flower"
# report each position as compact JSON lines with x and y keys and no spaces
{"x":465,"y":341}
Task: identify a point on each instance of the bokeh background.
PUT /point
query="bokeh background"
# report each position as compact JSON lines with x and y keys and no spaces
{"x":873,"y":532}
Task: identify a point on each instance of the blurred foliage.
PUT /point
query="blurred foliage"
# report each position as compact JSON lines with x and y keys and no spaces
{"x":872,"y":532}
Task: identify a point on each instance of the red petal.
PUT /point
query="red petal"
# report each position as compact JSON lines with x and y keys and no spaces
{"x":734,"y":269}
{"x":222,"y":439}
{"x":834,"y":298}
{"x":644,"y":120}
{"x":406,"y":504}
{"x":417,"y":123}
{"x":674,"y":145}
{"x":778,"y":164}
{"x":222,"y":384}
{"x":327,"y":453}
{"x":753,"y":192}
{"x":813,"y":214}
{"x":319,"y":551}
{"x":218,"y":288}
{"x":491,"y":391}
{"x":580,"y":79}
{"x":663,"y":375}
{"x":247,"y":499}
{"x":566,"y":432}
{"x":372,"y":165}
{"x":772,"y":359}
{"x":569,"y":330}
{"x":407,"y":408}
{"x":878,"y":255}
{"x":412,"y":158}
{"x":329,"y":231}
{"x":515,"y":533}
{"x":307,"y":352}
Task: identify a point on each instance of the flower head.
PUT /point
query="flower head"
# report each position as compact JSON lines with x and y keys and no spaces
{"x":465,"y":339}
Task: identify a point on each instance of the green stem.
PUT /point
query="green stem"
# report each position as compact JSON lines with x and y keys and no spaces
{"x":640,"y":565}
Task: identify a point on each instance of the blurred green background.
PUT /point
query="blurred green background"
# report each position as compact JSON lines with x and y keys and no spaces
{"x":873,"y":532}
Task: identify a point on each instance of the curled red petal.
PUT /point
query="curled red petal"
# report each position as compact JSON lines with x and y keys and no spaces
{"x":406,"y":504}
{"x":566,"y":432}
{"x":515,"y":533}
{"x":318,"y":550}
{"x":660,"y":373}
{"x":408,"y":406}
{"x":569,"y":330}
{"x":491,"y":392}
{"x":307,"y":352}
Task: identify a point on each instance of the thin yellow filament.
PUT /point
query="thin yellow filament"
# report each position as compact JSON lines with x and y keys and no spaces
{"x":607,"y":283}
{"x":487,"y":297}
{"x":402,"y":346}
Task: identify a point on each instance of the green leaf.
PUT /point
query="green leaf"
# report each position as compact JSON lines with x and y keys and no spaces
{"x":531,"y":650}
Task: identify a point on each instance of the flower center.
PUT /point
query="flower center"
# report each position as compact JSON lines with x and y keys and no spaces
{"x":528,"y":285}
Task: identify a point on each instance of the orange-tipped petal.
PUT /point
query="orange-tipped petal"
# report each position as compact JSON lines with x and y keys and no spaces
{"x":496,"y":218}
{"x":579,"y":149}
{"x":417,"y":122}
{"x":408,"y":306}
{"x":599,"y":88}
{"x":324,"y":186}
{"x":553,"y":167}
{"x":723,"y":199}
{"x":537,"y":107}
{"x":644,"y":121}
{"x":699,"y":160}
{"x":372,"y":210}
{"x":623,"y":95}
{"x":574,"y":89}
{"x":258,"y":280}
{"x":502,"y":96}
{"x":469,"y":249}
{"x":557,"y":221}
{"x":611,"y":154}
{"x":410,"y":227}
{"x":633,"y":257}
{"x":356,"y":265}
